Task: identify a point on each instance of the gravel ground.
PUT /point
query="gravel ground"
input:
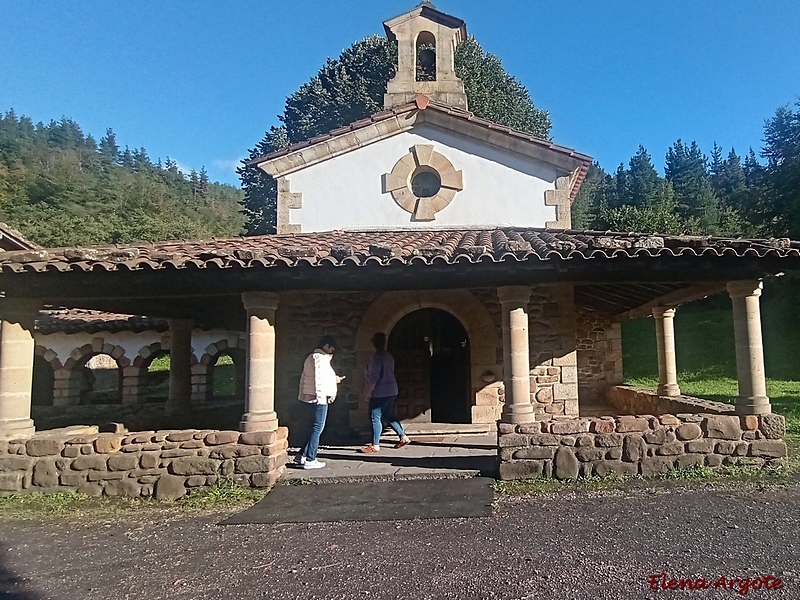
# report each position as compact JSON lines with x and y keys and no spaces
{"x":578,"y":545}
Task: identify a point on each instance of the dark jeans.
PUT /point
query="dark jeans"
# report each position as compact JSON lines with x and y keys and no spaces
{"x":383,"y":409}
{"x":316,"y":415}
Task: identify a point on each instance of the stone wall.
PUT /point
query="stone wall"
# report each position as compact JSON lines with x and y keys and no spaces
{"x":301,"y":319}
{"x":163,"y":464}
{"x":571,"y":447}
{"x":141,"y":417}
{"x":639,"y":401}
{"x":599,"y":348}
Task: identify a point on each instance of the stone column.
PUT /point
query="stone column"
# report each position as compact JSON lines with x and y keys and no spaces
{"x":260,"y":412}
{"x":516,"y":358}
{"x":665,"y":343}
{"x":16,"y":368}
{"x":752,"y":399}
{"x":180,"y":366}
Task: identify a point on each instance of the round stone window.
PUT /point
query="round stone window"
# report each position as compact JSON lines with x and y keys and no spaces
{"x":426,"y":184}
{"x":422,"y":182}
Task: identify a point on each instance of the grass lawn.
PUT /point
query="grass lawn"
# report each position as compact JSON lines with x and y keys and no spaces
{"x":706,"y":355}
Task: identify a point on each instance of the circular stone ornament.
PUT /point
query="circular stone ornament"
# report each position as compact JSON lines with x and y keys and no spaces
{"x":423,"y":182}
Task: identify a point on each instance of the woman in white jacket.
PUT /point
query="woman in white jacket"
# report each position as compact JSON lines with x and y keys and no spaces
{"x":318,"y":386}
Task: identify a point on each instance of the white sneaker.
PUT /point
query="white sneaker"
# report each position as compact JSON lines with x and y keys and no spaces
{"x":299,"y":460}
{"x":313,"y":464}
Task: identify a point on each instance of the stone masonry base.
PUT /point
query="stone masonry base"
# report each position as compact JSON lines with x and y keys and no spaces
{"x":568,"y":447}
{"x":163,"y":464}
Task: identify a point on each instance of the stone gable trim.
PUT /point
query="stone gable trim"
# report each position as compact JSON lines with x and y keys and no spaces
{"x":560,"y":198}
{"x":566,"y":161}
{"x":287,"y":200}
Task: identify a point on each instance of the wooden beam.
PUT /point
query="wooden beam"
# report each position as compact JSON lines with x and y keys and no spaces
{"x":671,"y":299}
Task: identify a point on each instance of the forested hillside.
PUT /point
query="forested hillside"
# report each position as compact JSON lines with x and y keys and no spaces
{"x":59,"y":186}
{"x":720,"y":194}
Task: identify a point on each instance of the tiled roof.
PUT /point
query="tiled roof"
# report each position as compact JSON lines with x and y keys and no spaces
{"x":11,"y":239}
{"x":359,"y":248}
{"x":91,"y":321}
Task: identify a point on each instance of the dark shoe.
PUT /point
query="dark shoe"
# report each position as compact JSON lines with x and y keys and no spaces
{"x":403,"y":442}
{"x":369,"y":449}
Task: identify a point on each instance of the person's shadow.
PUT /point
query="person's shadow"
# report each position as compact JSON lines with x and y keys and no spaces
{"x":13,"y":587}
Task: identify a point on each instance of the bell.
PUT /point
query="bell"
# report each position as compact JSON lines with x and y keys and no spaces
{"x":427,"y":58}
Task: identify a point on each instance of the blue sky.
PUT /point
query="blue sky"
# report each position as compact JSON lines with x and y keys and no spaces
{"x":201,"y":81}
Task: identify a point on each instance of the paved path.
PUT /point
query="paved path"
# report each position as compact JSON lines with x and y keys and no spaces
{"x":426,"y":457}
{"x":570,"y":546}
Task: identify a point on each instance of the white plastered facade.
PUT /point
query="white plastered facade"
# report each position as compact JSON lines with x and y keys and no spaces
{"x":500,"y":187}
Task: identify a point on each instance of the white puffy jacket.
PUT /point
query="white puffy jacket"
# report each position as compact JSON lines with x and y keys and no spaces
{"x":318,"y":383}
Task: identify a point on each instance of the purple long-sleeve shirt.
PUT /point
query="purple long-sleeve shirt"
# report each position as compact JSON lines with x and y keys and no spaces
{"x":380,"y":375}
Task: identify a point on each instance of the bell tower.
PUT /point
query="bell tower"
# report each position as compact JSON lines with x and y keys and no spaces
{"x":426,"y":46}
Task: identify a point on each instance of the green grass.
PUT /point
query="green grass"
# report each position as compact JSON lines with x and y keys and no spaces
{"x":706,"y":355}
{"x":223,"y":377}
{"x":224,"y":495}
{"x":737,"y":476}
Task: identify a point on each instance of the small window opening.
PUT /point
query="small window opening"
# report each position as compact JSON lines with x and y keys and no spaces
{"x":426,"y":56}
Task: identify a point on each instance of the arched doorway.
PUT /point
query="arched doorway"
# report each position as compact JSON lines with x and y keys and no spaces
{"x":432,"y":365}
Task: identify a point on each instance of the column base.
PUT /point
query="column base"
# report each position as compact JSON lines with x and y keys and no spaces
{"x":753,"y":405}
{"x":669,"y":389}
{"x":16,"y":428}
{"x":259,"y":421}
{"x":177,"y":407}
{"x":517,"y":414}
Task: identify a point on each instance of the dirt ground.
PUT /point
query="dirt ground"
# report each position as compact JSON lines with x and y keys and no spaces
{"x":566,"y":545}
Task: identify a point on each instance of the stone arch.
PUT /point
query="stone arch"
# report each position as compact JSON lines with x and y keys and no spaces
{"x":136,"y":380}
{"x":45,"y":367}
{"x":202,"y":372}
{"x":78,"y":358}
{"x":485,"y":343}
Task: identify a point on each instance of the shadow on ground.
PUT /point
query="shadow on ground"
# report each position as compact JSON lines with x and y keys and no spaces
{"x":13,"y":587}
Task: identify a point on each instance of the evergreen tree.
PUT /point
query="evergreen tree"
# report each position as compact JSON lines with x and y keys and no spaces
{"x":642,"y":180}
{"x":781,"y":176}
{"x":352,"y":87}
{"x":109,"y":149}
{"x":687,"y":169}
{"x":587,"y":204}
{"x":203,"y":182}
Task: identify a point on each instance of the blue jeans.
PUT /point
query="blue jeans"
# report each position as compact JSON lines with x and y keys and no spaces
{"x":316,"y":413}
{"x":382,"y":409}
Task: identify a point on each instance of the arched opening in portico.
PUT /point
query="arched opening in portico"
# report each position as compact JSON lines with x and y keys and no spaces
{"x":226,"y":375}
{"x":43,"y":382}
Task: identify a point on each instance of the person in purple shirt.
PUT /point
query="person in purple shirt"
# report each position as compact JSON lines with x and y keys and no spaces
{"x":381,"y":387}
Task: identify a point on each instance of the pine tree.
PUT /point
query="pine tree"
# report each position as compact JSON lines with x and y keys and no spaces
{"x":203,"y":183}
{"x":109,"y":150}
{"x":642,"y":179}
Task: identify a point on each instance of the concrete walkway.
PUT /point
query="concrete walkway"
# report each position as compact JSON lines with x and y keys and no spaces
{"x":428,"y":457}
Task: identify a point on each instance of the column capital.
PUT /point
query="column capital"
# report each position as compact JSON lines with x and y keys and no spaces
{"x":514,"y":294}
{"x":254,"y":301}
{"x":20,"y":310}
{"x":180,"y":324}
{"x":659,"y":312}
{"x":740,"y":289}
